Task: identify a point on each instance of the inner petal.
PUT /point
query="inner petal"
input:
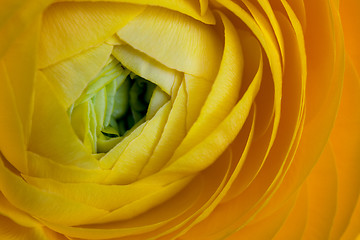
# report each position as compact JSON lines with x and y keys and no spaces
{"x":114,"y":102}
{"x":175,"y":40}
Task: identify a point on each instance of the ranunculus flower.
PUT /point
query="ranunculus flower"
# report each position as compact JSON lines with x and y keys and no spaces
{"x":179,"y":119}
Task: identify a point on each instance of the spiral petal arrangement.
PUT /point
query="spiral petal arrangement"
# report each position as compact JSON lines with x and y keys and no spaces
{"x":179,"y":119}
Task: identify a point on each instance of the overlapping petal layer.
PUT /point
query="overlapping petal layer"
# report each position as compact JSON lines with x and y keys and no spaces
{"x":235,"y":140}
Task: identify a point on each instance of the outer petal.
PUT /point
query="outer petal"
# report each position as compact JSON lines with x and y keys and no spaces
{"x":42,"y":167}
{"x":15,"y":17}
{"x":12,"y":141}
{"x":43,"y":204}
{"x":347,"y":129}
{"x":294,"y":226}
{"x":22,"y":55}
{"x":11,"y":230}
{"x":322,"y":197}
{"x":15,"y":214}
{"x":345,"y":140}
{"x":349,"y":11}
{"x":17,"y":81}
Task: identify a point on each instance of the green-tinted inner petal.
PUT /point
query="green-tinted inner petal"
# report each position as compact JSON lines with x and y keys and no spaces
{"x":115,"y":101}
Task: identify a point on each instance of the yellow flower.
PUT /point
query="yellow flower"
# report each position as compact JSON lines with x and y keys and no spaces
{"x":179,"y":119}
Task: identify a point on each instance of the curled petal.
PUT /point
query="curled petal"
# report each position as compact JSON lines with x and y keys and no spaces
{"x":175,"y":40}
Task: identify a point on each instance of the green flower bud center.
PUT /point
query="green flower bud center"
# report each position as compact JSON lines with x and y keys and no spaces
{"x":113,"y":103}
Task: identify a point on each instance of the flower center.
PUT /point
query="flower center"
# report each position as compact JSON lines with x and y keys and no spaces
{"x":113,"y":103}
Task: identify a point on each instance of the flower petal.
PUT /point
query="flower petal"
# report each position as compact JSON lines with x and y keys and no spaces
{"x":70,"y":77}
{"x":188,"y":7}
{"x":175,"y":40}
{"x":295,"y":224}
{"x":269,"y":226}
{"x":110,"y":158}
{"x":146,"y":67}
{"x":15,"y":17}
{"x":349,"y":11}
{"x":155,"y":219}
{"x":209,"y":217}
{"x":12,"y":141}
{"x":145,"y":203}
{"x":36,"y":202}
{"x":173,"y":133}
{"x":224,"y":93}
{"x":274,"y":58}
{"x":52,"y":135}
{"x":11,"y":230}
{"x":130,"y":163}
{"x":197,"y":90}
{"x":322,"y":191}
{"x":344,"y":141}
{"x":18,"y":85}
{"x":22,"y":55}
{"x":42,"y":167}
{"x":16,"y":215}
{"x":63,"y":33}
{"x":216,"y":142}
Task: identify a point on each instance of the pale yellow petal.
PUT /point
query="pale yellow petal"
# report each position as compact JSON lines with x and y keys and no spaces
{"x":20,"y":64}
{"x":155,"y":219}
{"x":42,"y":167}
{"x":202,"y":191}
{"x":146,"y":203}
{"x":130,"y":163}
{"x":197,"y":90}
{"x":70,"y":77}
{"x":43,"y":204}
{"x":146,"y":67}
{"x":52,"y":135}
{"x":216,"y":142}
{"x":110,"y":158}
{"x":109,"y":197}
{"x":188,"y":7}
{"x":64,"y":32}
{"x":158,"y":99}
{"x":224,"y":93}
{"x":173,"y":134}
{"x":175,"y":40}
